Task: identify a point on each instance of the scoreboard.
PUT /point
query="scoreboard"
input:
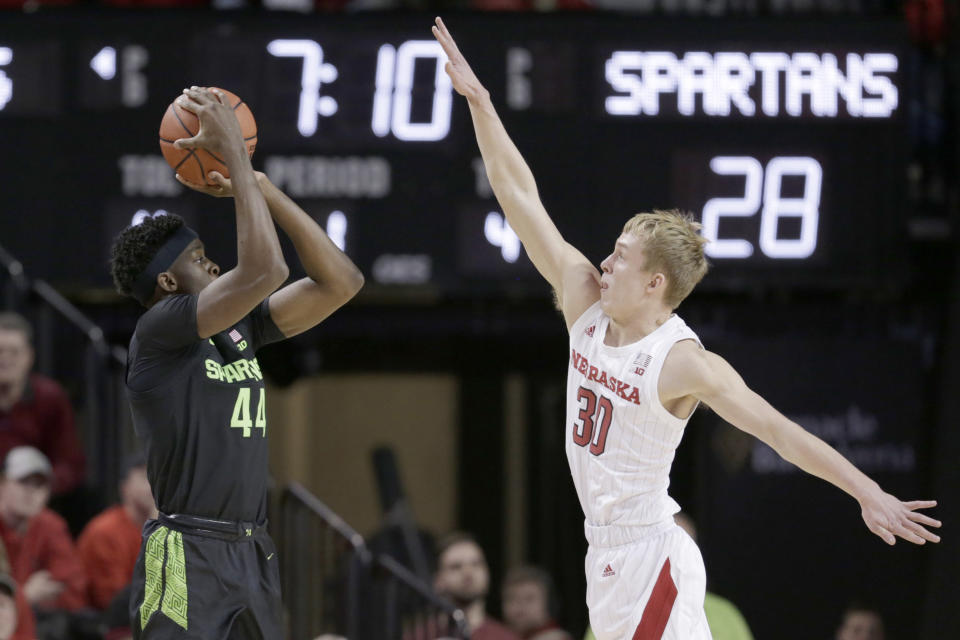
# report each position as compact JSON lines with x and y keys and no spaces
{"x":787,"y":139}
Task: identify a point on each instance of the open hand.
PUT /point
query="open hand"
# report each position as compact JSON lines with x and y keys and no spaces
{"x":890,"y":518}
{"x":219,"y":128}
{"x":462,"y":76}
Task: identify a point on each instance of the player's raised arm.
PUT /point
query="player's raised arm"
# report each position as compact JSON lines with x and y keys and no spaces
{"x":690,"y":370}
{"x":260,"y":266}
{"x":575,"y":280}
{"x":332,"y":278}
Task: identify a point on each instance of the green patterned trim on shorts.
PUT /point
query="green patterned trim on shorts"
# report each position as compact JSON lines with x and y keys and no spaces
{"x":165,"y":587}
{"x":153,"y":567}
{"x":174,"y":604}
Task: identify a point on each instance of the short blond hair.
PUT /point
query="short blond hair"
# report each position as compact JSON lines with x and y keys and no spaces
{"x":673,"y":247}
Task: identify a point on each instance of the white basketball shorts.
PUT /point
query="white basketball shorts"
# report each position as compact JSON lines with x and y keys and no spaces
{"x":645,"y":583}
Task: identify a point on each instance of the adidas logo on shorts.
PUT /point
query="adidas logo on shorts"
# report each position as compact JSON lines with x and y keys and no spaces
{"x":608,"y":572}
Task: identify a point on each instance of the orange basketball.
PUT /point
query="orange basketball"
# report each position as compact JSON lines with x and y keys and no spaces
{"x":193,"y":165}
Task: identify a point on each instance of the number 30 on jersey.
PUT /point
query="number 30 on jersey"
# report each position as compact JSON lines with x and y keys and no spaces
{"x":241,"y":413}
{"x":593,"y":422}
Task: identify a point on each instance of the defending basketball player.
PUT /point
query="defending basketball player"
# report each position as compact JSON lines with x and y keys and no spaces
{"x":207,"y":568}
{"x":635,"y":375}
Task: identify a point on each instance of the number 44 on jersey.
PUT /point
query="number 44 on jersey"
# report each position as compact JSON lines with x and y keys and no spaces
{"x":241,"y":413}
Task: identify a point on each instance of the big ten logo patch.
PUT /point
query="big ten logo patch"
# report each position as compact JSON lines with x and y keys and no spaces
{"x":238,"y":339}
{"x":640,"y":363}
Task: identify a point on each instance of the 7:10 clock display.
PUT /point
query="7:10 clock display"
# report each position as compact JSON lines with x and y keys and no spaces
{"x":788,"y":150}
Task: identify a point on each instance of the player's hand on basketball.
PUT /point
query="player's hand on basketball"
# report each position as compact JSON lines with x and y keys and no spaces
{"x":464,"y":80}
{"x":222,"y":187}
{"x":890,"y":518}
{"x":219,"y":128}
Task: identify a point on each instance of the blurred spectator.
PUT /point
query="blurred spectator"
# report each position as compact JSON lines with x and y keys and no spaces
{"x":861,"y":622}
{"x":153,"y":4}
{"x":464,"y":578}
{"x":527,"y":598}
{"x":110,"y":543}
{"x":33,"y":5}
{"x":927,"y":20}
{"x":24,"y":623}
{"x":725,"y":620}
{"x":530,"y":5}
{"x":34,"y":410}
{"x":16,"y":617}
{"x":43,"y":560}
{"x":8,"y":607}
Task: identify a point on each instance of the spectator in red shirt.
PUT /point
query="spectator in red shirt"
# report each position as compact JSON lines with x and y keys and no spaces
{"x":43,"y":559}
{"x":464,"y":578}
{"x":11,"y":605}
{"x":34,"y":410}
{"x":527,"y":593}
{"x":110,"y":543}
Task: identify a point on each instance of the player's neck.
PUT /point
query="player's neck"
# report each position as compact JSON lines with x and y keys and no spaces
{"x":633,"y":328}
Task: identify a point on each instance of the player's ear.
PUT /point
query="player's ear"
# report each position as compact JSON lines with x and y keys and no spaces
{"x":658,"y":280}
{"x":167,"y":282}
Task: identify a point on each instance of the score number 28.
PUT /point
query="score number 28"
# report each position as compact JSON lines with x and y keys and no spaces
{"x":763,"y":194}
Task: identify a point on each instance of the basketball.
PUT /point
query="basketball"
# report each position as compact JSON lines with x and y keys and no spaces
{"x":193,"y":165}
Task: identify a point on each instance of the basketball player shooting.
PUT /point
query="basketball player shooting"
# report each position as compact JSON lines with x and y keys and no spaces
{"x":636,"y":373}
{"x":207,"y":568}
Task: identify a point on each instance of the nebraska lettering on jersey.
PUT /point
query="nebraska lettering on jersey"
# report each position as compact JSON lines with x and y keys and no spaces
{"x":237,"y":371}
{"x":623,"y":389}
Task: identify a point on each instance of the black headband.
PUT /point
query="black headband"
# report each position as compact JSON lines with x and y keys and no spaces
{"x":146,"y":283}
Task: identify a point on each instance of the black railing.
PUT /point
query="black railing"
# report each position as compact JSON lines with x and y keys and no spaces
{"x":334,"y":584}
{"x":106,"y":415}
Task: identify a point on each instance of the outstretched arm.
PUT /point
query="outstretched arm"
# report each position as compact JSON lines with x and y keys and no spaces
{"x":576,"y":281}
{"x":332,"y":278}
{"x":260,"y":267}
{"x":690,"y":370}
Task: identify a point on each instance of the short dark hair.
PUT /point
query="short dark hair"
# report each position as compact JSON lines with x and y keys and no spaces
{"x":529,"y":574}
{"x":452,"y":539}
{"x":11,"y":321}
{"x":526,"y":574}
{"x":135,"y":247}
{"x":862,"y":606}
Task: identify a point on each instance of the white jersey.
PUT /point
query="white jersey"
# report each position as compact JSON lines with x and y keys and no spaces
{"x":620,"y":440}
